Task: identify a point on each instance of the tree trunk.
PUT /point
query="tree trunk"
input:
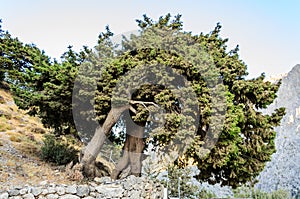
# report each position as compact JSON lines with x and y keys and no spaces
{"x":94,"y":146}
{"x":132,"y":150}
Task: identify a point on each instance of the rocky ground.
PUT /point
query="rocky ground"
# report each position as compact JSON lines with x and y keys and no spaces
{"x":20,"y":140}
{"x":18,"y":169}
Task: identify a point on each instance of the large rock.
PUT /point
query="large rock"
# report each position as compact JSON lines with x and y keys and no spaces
{"x":283,"y":170}
{"x":60,"y":190}
{"x":69,"y":196}
{"x":52,"y":196}
{"x":14,"y":192}
{"x":71,"y":189}
{"x":36,"y":191}
{"x":83,"y":190}
{"x":4,"y":195}
{"x":28,"y":196}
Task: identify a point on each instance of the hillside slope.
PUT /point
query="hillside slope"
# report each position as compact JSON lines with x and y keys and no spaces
{"x":20,"y":141}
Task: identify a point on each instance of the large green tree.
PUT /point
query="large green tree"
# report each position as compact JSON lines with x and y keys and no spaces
{"x":49,"y":94}
{"x":194,"y":99}
{"x":40,"y":85}
{"x":17,"y":59}
{"x":243,"y":142}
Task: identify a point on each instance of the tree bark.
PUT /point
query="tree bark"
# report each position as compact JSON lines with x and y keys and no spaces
{"x":132,"y":150}
{"x":94,"y":146}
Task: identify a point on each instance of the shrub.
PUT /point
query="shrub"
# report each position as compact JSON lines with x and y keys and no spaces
{"x":58,"y":151}
{"x":297,"y":194}
{"x":183,"y":177}
{"x":247,"y":192}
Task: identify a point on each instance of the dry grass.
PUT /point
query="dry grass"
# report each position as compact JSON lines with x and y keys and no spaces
{"x":11,"y":163}
{"x":28,"y":148}
{"x":16,"y":171}
{"x":25,"y":134}
{"x":6,"y":95}
{"x":16,"y":136}
{"x":25,"y":143}
{"x":4,"y":125}
{"x":6,"y":114}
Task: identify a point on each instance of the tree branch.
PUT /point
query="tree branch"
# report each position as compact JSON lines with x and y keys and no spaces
{"x":132,"y":109}
{"x":143,"y":103}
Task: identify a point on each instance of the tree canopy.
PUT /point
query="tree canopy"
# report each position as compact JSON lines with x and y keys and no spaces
{"x":246,"y":140}
{"x":175,"y":91}
{"x":40,"y":85}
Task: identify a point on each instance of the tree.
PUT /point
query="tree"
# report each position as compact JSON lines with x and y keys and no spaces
{"x":45,"y":89}
{"x":183,"y":94}
{"x":18,"y":59}
{"x":246,"y":139}
{"x":41,"y":86}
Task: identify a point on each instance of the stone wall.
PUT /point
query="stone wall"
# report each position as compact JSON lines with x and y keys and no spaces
{"x":131,"y":187}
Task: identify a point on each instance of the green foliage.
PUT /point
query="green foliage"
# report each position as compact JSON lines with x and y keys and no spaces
{"x":246,"y":192}
{"x":297,"y":194}
{"x":17,"y":59}
{"x":246,"y":141}
{"x":47,"y":92}
{"x":178,"y":177}
{"x":39,"y":85}
{"x":58,"y":151}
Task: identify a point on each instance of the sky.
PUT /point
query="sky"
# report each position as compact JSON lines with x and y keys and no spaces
{"x":267,"y":32}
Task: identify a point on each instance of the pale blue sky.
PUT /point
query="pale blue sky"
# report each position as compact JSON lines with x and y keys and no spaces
{"x":268,"y":32}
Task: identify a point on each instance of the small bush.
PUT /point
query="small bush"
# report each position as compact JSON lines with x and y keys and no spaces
{"x":246,"y":192}
{"x":58,"y":151}
{"x":187,"y":188}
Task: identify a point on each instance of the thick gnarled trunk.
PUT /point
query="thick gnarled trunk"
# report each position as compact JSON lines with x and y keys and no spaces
{"x":132,"y":150}
{"x":94,"y":146}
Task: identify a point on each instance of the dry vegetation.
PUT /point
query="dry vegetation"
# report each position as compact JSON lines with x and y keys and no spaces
{"x":24,"y":131}
{"x":21,"y":138}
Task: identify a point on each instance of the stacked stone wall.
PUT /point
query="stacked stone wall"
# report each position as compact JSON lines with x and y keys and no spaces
{"x":130,"y":188}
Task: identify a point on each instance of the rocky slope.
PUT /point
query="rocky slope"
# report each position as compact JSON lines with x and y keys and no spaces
{"x":24,"y":175}
{"x":20,"y":140}
{"x":283,"y":172}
